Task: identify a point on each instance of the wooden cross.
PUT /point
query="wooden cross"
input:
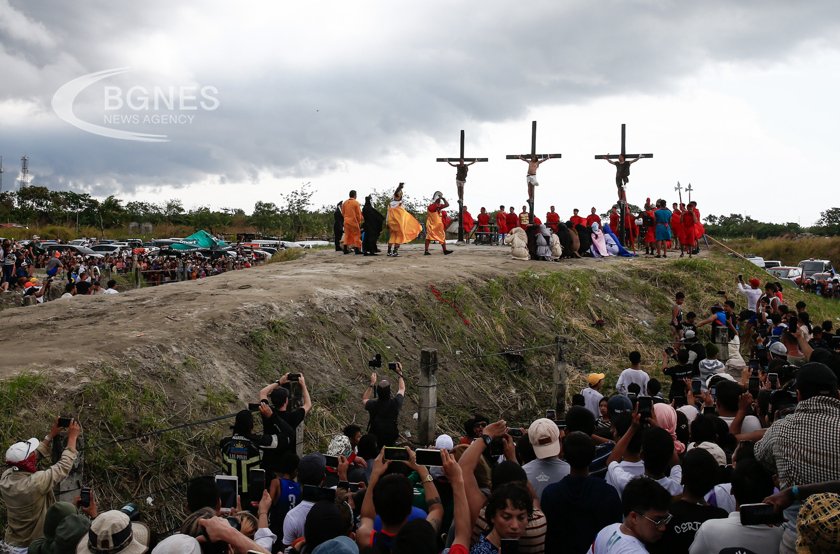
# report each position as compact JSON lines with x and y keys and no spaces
{"x":462,"y":164}
{"x":689,"y":189}
{"x":679,"y":189}
{"x":622,"y":200}
{"x":532,"y":156}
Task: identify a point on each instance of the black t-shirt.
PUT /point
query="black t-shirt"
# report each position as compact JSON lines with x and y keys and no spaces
{"x":82,"y":287}
{"x":677,"y":373}
{"x":683,"y":526}
{"x":575,"y":509}
{"x":383,"y":419}
{"x":282,"y":424}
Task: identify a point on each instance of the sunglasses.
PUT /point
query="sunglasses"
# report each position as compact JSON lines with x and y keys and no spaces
{"x":664,"y":520}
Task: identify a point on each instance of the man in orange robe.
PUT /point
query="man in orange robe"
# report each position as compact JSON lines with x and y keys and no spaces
{"x":352,"y":212}
{"x":434,"y":225}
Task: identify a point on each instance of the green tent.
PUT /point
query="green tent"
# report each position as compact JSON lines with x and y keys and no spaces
{"x":200,"y":239}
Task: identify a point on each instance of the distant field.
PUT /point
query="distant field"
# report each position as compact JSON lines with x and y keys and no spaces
{"x":790,"y":251}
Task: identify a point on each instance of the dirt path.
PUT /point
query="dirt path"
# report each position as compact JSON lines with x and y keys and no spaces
{"x":65,"y":334}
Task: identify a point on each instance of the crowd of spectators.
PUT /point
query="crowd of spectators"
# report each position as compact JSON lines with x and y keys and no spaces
{"x":732,"y":457}
{"x":40,"y":272}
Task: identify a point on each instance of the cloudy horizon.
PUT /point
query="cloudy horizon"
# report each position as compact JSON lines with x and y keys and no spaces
{"x":738,"y":100}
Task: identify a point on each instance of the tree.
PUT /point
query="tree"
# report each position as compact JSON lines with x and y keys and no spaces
{"x":172,"y":211}
{"x":830,"y":221}
{"x":266,"y":217}
{"x":295,"y":212}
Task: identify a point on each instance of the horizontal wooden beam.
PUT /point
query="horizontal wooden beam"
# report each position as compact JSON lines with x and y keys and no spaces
{"x":626,"y":156}
{"x":465,"y":159}
{"x":538,"y":156}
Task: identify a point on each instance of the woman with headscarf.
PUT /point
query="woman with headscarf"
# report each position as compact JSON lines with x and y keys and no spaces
{"x":599,"y":244}
{"x":543,"y":242}
{"x":402,"y":226}
{"x":373,"y":226}
{"x":666,"y":418}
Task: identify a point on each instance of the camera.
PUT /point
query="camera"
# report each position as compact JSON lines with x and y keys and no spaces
{"x":376,"y":361}
{"x":64,"y":422}
{"x":294,"y":377}
{"x":392,"y":366}
{"x":84,"y":497}
{"x":514,"y":432}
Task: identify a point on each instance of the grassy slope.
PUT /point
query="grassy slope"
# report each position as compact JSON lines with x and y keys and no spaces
{"x":330,"y":343}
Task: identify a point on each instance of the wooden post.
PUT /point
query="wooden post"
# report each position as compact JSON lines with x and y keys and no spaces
{"x":721,"y":339}
{"x":137,"y":274}
{"x":428,"y":396}
{"x":561,"y":379}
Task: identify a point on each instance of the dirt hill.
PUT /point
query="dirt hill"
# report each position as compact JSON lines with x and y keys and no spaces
{"x":154,"y":358}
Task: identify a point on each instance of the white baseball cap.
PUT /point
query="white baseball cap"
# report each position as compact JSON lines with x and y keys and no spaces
{"x":444,"y":442}
{"x":545,"y":438}
{"x":20,"y":451}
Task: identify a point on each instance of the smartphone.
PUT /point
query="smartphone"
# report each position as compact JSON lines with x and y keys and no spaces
{"x":760,"y":514}
{"x":561,"y":423}
{"x":332,"y":461}
{"x":396,"y":453}
{"x":228,"y":488}
{"x":679,"y":401}
{"x":392,"y":366}
{"x":429,"y":457}
{"x":515,"y":432}
{"x":294,"y":376}
{"x":317,"y":494}
{"x":774,"y":380}
{"x":713,"y":392}
{"x":253,"y":406}
{"x":354,"y":487}
{"x":696,"y":386}
{"x":551,"y":414}
{"x":84,"y":496}
{"x":645,"y":405}
{"x":256,"y":484}
{"x":64,"y":422}
{"x":510,"y":546}
{"x":754,"y":386}
{"x":721,"y":293}
{"x":835,"y":342}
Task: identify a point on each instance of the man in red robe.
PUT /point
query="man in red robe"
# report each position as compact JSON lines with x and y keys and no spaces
{"x":501,"y":224}
{"x":576,"y":219}
{"x":484,"y":225}
{"x":615,"y":219}
{"x":593,"y":218}
{"x":552,"y":219}
{"x":512,"y":219}
{"x":688,"y":227}
{"x":469,"y":222}
{"x":676,"y":225}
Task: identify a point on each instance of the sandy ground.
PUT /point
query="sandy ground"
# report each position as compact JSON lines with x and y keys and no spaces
{"x":64,"y":334}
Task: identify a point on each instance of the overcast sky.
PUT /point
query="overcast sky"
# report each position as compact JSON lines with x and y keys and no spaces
{"x":739,"y":99}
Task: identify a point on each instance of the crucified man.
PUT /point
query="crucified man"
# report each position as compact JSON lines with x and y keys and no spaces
{"x":461,"y":169}
{"x":622,"y":174}
{"x":531,"y":178}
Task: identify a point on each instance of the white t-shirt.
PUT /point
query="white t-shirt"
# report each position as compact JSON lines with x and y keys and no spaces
{"x":633,"y":468}
{"x":110,"y":291}
{"x":592,"y":398}
{"x":67,"y":295}
{"x":610,"y":540}
{"x":716,"y":534}
{"x":619,"y":477}
{"x":721,"y":497}
{"x":630,"y":375}
{"x":750,"y":423}
{"x":752,"y":295}
{"x":295,"y":519}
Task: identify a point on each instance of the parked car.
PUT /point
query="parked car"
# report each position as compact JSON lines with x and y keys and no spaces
{"x":772,"y":263}
{"x":757,"y":260}
{"x":78,"y":250}
{"x":111,"y":249}
{"x":787,"y":273}
{"x":811,"y":266}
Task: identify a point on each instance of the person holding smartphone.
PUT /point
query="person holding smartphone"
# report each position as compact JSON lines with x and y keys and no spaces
{"x":384,"y":410}
{"x":28,"y":493}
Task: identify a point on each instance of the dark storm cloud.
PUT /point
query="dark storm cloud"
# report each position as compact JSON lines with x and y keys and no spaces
{"x":432,"y":70}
